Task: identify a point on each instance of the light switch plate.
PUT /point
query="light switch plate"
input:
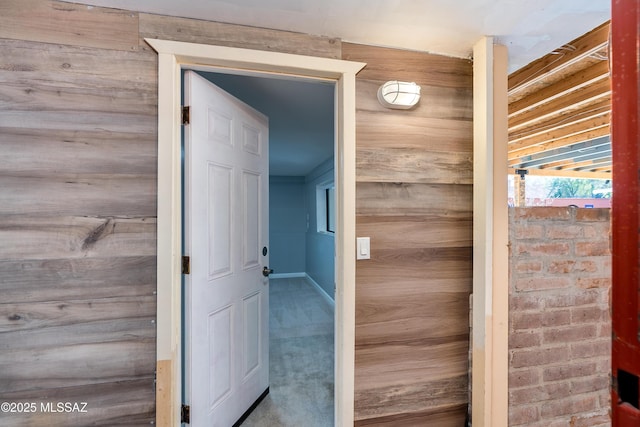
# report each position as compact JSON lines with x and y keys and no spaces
{"x":363,"y":248}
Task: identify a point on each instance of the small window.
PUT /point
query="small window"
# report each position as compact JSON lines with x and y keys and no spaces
{"x":325,"y":206}
{"x":330,"y":208}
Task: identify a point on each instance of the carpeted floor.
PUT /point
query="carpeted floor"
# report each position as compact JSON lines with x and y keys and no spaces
{"x":301,"y":358}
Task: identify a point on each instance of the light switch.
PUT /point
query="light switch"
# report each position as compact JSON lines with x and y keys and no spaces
{"x":363,"y":248}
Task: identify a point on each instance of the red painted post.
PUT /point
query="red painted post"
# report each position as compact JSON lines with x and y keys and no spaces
{"x":625,"y":81}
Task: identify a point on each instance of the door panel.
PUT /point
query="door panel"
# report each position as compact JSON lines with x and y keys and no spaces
{"x":219,"y":216}
{"x":226,"y":217}
{"x":219,"y":335}
{"x":251,"y":226}
{"x":251,"y":334}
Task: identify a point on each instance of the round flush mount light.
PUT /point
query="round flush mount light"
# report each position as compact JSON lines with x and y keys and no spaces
{"x":399,"y":95}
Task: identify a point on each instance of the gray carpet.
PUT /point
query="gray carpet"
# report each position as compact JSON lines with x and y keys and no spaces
{"x":301,"y":358}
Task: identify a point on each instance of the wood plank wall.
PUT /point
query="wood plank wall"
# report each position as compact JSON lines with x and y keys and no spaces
{"x":78,"y":105}
{"x":414,"y":199}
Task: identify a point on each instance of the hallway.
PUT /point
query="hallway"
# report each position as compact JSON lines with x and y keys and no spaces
{"x":301,"y":358}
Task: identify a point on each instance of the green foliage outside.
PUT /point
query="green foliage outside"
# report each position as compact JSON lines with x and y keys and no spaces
{"x":572,"y":188}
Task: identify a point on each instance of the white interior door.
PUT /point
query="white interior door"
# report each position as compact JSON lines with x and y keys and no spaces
{"x":226,"y":236}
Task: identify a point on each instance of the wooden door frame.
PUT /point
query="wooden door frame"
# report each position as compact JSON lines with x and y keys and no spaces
{"x":490,"y":323}
{"x":172,"y":58}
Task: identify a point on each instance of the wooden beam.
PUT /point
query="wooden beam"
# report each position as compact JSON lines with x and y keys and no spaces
{"x":588,"y":164}
{"x":566,"y":173}
{"x":556,"y":61}
{"x":562,"y":142}
{"x":604,"y":168}
{"x":568,"y":102}
{"x":582,"y":78}
{"x":573,"y":163}
{"x":561,"y":132}
{"x":576,"y":151}
{"x":587,"y":112}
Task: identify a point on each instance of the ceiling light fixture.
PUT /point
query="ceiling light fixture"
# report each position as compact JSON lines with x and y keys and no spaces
{"x":399,"y":95}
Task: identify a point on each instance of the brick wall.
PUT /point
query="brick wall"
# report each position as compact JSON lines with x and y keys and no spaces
{"x":559,"y":321}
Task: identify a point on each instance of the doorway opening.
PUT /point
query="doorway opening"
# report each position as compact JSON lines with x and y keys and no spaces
{"x":172,"y":58}
{"x":301,"y":244}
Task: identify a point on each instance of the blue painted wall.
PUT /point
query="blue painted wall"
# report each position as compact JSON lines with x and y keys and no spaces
{"x":320,"y":260}
{"x":287,"y":224}
{"x":298,"y":247}
{"x":295,"y":244}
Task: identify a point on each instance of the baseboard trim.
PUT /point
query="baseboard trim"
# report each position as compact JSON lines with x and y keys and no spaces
{"x":321,"y":291}
{"x":312,"y":282}
{"x":251,"y":408}
{"x":286,"y":275}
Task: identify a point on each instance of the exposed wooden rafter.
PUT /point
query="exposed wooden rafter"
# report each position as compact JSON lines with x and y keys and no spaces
{"x":568,"y":56}
{"x":559,"y":111}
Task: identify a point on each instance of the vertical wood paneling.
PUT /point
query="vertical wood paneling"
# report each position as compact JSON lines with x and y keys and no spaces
{"x":414,"y":199}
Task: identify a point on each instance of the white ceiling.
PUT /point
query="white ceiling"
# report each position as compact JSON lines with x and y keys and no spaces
{"x":530,"y":28}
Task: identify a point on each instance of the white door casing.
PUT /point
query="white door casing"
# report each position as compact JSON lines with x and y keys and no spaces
{"x":226,"y":229}
{"x":172,"y":57}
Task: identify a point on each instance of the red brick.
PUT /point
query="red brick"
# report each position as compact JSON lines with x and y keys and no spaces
{"x":544,"y":249}
{"x":572,"y":370}
{"x":523,"y":415}
{"x":548,"y":423}
{"x":586,"y":314}
{"x":575,"y":333}
{"x":542,"y":213}
{"x":559,"y":291}
{"x":526,"y":321}
{"x":538,"y":357}
{"x":568,"y":406}
{"x":529,"y":232}
{"x":597,"y":248}
{"x":605,"y":331}
{"x":594,"y":282}
{"x":590,"y":420}
{"x":596,"y":231}
{"x":524,"y":339}
{"x":601,"y":214}
{"x":584,"y":297}
{"x":539,"y":394}
{"x":523,"y":377}
{"x":591,"y":348}
{"x":603,"y":365}
{"x":586,"y":266}
{"x":561,"y":266}
{"x":521,"y":321}
{"x":564,"y":231}
{"x":542,"y":283}
{"x":522,"y":302}
{"x":590,"y":384}
{"x":528,"y":266}
{"x":605,"y":400}
{"x":556,"y":318}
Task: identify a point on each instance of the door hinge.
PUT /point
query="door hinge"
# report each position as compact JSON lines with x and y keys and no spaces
{"x":185,"y":414}
{"x":185,"y":115}
{"x":186,"y":265}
